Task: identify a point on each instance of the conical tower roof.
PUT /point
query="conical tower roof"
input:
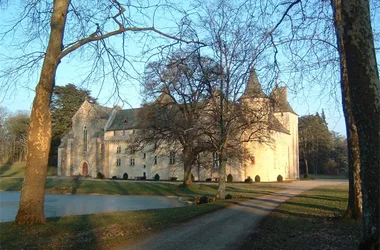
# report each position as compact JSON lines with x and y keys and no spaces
{"x":164,"y":97}
{"x":253,"y":88}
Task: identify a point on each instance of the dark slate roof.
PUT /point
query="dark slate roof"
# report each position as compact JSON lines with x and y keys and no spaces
{"x":276,"y":125}
{"x":253,"y":88}
{"x":128,"y":115}
{"x":103,"y":112}
{"x":280,"y":102}
{"x":283,"y":107}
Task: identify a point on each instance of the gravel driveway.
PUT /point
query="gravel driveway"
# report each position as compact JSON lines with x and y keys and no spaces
{"x":227,"y":228}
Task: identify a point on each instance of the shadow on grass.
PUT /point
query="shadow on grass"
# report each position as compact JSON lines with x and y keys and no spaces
{"x":4,"y":168}
{"x":324,"y":197}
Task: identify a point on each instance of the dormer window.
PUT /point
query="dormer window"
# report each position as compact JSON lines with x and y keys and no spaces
{"x":85,"y":139}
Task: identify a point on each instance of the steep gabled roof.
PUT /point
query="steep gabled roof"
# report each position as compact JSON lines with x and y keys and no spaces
{"x":276,"y":125}
{"x":102,"y":111}
{"x":279,"y":98}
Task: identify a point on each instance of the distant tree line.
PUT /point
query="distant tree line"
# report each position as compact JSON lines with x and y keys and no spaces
{"x":13,"y":135}
{"x":321,"y":151}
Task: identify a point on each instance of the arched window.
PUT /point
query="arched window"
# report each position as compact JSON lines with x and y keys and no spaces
{"x":85,"y":147}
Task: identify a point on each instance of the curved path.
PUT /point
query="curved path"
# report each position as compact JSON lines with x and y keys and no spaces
{"x":227,"y":228}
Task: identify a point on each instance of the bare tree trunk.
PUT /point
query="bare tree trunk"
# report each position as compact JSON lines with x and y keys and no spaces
{"x":222,"y":176}
{"x":187,"y":165}
{"x":306,"y":167}
{"x":31,"y":209}
{"x":354,"y":207}
{"x":364,"y":86}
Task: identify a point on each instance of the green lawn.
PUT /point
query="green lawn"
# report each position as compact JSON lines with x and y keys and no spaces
{"x":326,"y":176}
{"x":118,"y":187}
{"x":17,"y":169}
{"x":312,"y":220}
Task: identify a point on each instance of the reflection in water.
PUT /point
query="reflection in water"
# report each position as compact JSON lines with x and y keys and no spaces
{"x":63,"y":205}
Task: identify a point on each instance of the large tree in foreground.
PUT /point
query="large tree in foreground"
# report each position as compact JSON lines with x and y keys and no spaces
{"x":67,"y":26}
{"x":360,"y":73}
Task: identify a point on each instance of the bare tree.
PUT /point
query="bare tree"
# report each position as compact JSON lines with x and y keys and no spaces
{"x":360,"y":79}
{"x":67,"y":26}
{"x":177,"y":88}
{"x":235,"y":38}
{"x":310,"y":56}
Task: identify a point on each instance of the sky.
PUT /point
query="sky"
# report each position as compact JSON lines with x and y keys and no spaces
{"x":305,"y":101}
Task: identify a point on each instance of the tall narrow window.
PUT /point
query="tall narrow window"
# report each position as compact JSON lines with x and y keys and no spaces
{"x":215,"y":159}
{"x":132,"y":150}
{"x":85,"y":145}
{"x":118,"y":162}
{"x":155,"y":160}
{"x":132,"y":162}
{"x":144,"y":155}
{"x":172,"y":157}
{"x":118,"y":150}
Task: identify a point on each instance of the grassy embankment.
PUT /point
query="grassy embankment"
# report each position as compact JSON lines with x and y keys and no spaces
{"x":17,"y":169}
{"x":312,"y":220}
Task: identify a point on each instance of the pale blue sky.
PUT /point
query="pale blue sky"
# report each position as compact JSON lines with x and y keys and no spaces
{"x":308,"y":100}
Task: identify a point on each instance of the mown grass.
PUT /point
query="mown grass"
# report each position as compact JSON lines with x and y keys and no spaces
{"x":99,"y":231}
{"x":17,"y":169}
{"x":312,"y":220}
{"x":326,"y":176}
{"x":118,"y":187}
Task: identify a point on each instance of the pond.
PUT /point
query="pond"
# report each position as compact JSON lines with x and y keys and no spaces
{"x":57,"y":205}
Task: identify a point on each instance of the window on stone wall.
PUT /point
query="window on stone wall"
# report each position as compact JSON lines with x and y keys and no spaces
{"x":118,"y":150}
{"x":132,"y":162}
{"x":118,"y":162}
{"x":144,"y":155}
{"x":172,"y":157}
{"x":215,"y":159}
{"x":132,"y":150}
{"x":155,"y":160}
{"x":85,"y":141}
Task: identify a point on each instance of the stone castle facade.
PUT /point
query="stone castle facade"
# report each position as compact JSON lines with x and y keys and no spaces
{"x":98,"y":142}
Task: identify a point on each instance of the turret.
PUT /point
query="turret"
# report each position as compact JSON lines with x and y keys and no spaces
{"x":253,"y":88}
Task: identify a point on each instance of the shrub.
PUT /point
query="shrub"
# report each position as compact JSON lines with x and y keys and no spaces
{"x":228,"y":196}
{"x":196,"y":199}
{"x":192,"y":178}
{"x":125,"y":176}
{"x":114,"y":177}
{"x":306,"y":176}
{"x":173,"y":178}
{"x":248,"y":180}
{"x":280,"y":178}
{"x":257,"y":178}
{"x":229,"y":178}
{"x":99,"y":176}
{"x":208,"y":179}
{"x":76,"y":178}
{"x":212,"y":199}
{"x":156,"y":177}
{"x":203,"y":200}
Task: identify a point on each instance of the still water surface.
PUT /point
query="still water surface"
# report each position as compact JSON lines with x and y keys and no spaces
{"x":57,"y":205}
